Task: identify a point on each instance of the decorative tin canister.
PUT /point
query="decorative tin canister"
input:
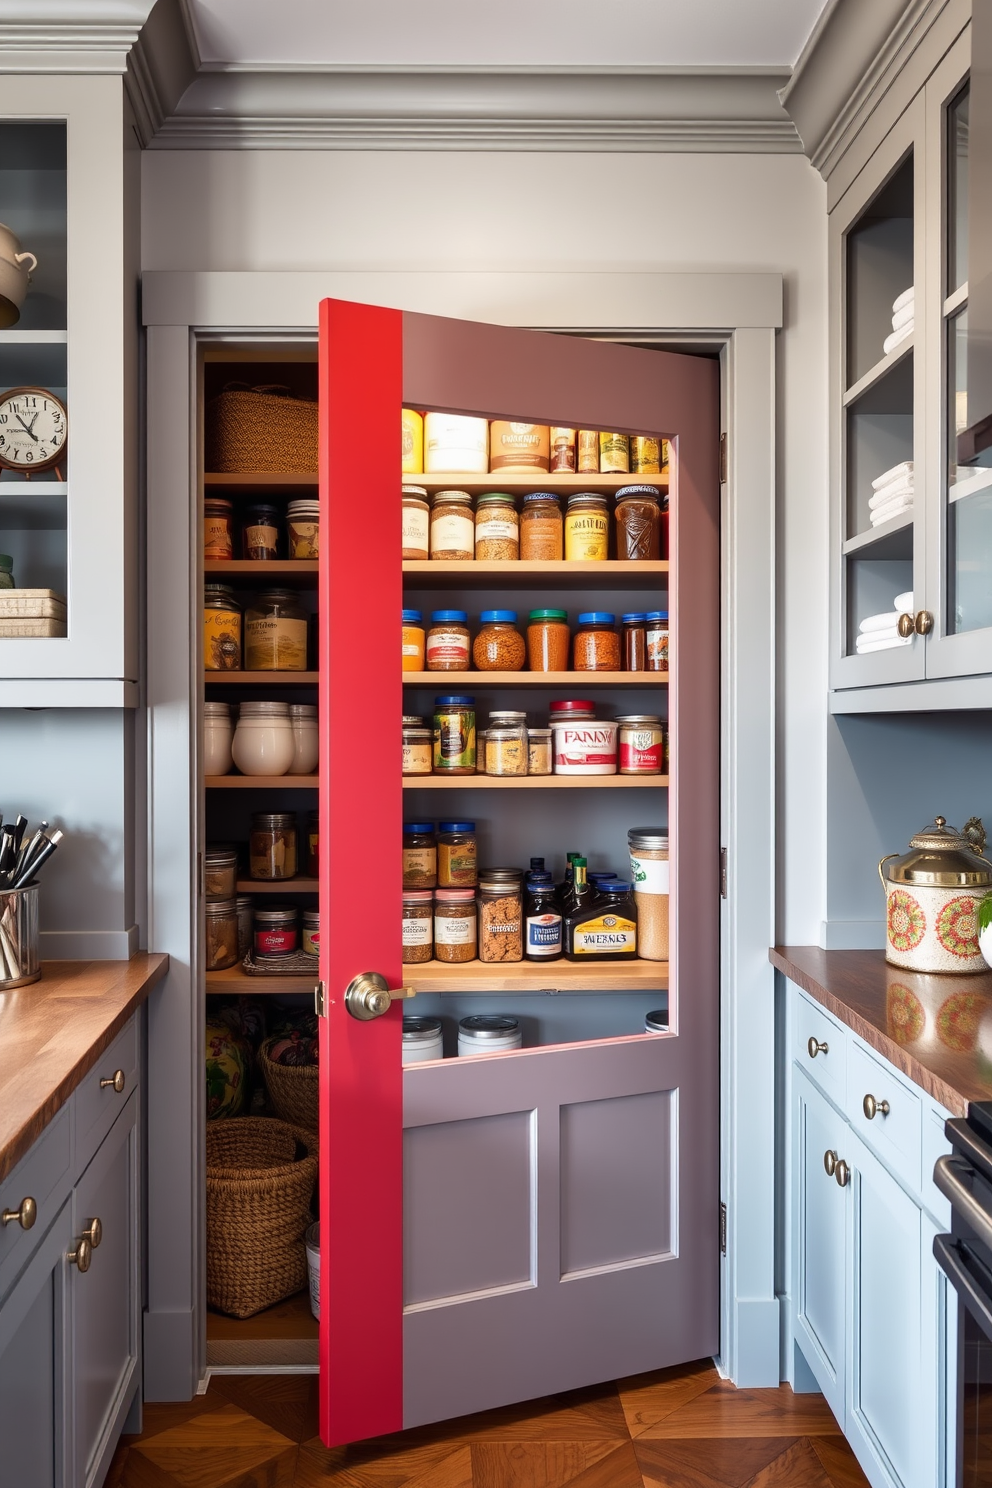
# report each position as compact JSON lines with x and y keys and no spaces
{"x":932,"y":895}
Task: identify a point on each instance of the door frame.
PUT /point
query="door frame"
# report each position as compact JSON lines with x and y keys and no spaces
{"x":736,"y":315}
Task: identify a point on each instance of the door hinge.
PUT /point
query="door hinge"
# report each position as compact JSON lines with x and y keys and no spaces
{"x":320,"y":1000}
{"x":723,"y":873}
{"x":723,"y":1228}
{"x":723,"y":459}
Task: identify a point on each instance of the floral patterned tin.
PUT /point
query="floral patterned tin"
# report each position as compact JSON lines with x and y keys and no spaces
{"x":932,"y":895}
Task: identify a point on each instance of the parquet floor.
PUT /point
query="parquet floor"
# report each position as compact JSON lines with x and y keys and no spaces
{"x":677,"y":1428}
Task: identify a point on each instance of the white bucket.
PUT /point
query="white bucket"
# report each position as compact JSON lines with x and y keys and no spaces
{"x":312,"y":1238}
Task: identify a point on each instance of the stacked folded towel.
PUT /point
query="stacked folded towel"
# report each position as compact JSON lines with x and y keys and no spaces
{"x":902,"y":320}
{"x":881,"y":632}
{"x":892,"y":493}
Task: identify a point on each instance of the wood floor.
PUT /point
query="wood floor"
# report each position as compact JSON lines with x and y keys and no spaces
{"x":677,"y":1428}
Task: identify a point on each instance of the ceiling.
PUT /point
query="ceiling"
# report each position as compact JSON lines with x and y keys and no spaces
{"x":563,"y":34}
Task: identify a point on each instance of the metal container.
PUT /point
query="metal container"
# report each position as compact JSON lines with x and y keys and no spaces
{"x":485,"y":1034}
{"x":422,"y":1040}
{"x":932,"y":895}
{"x":19,"y":959}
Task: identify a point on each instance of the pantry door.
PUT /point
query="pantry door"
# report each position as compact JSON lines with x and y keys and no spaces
{"x":561,"y":1215}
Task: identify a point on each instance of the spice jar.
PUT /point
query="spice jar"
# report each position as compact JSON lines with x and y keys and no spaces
{"x":452,"y":527}
{"x":514,"y":446}
{"x":418,"y":925}
{"x":499,"y":646}
{"x":539,"y":751}
{"x":454,"y":925}
{"x":587,"y":528}
{"x":311,"y":932}
{"x":422,"y":1040}
{"x":500,"y":919}
{"x":448,"y":641}
{"x":645,"y":454}
{"x":306,"y":740}
{"x":597,"y":645}
{"x":641,"y":744}
{"x":650,"y":873}
{"x":303,"y":529}
{"x":220,"y":872}
{"x":217,"y":735}
{"x":276,"y":633}
{"x":414,"y":641}
{"x":588,"y":452}
{"x":272,"y":845}
{"x":417,"y":750}
{"x":218,"y":528}
{"x":276,"y":930}
{"x":485,"y":1033}
{"x":454,"y":735}
{"x":263,"y":741}
{"x":657,"y":640}
{"x":261,"y":532}
{"x":614,"y":453}
{"x":562,"y":450}
{"x":548,"y":640}
{"x":244,"y":911}
{"x":541,"y":528}
{"x":413,"y":441}
{"x":221,"y":933}
{"x":633,"y":642}
{"x":419,"y":855}
{"x":638,"y":517}
{"x":313,"y":844}
{"x":506,"y":751}
{"x":416,"y":524}
{"x":457,"y":855}
{"x":221,"y":629}
{"x":497,"y":528}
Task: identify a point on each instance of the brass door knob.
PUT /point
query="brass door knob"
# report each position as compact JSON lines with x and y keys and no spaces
{"x":368,"y":996}
{"x":842,"y":1173}
{"x":114,"y":1081}
{"x":25,"y":1214}
{"x":82,"y":1255}
{"x":906,"y":626}
{"x":813,"y":1048}
{"x":94,"y":1232}
{"x":829,"y":1162}
{"x":873,"y":1107}
{"x":924,"y":622}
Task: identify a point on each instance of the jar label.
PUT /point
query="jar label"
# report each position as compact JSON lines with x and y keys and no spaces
{"x":419,"y":866}
{"x":454,"y":741}
{"x":416,"y":759}
{"x":657,"y":645}
{"x":505,"y":757}
{"x":588,"y":451}
{"x":650,"y":875}
{"x":491,"y":528}
{"x":453,"y":532}
{"x":311,"y":942}
{"x":447,"y":645}
{"x":412,"y":648}
{"x":641,"y":750}
{"x":303,"y":539}
{"x":543,"y":934}
{"x":276,"y":645}
{"x":586,"y":536}
{"x":454,"y":929}
{"x":609,"y":932}
{"x":221,"y":641}
{"x":415,"y":525}
{"x":539,"y":758}
{"x":417,"y":932}
{"x":456,"y":866}
{"x":614,"y":453}
{"x":262,"y":537}
{"x":275,"y":942}
{"x":217,"y":541}
{"x":585,"y":744}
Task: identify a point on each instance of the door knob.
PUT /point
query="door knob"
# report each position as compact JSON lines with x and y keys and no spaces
{"x":842,"y":1173}
{"x":114,"y":1081}
{"x":368,"y":997}
{"x":829,"y":1162}
{"x":25,"y":1214}
{"x":906,"y":626}
{"x":873,"y":1107}
{"x":82,"y":1254}
{"x":813,"y":1048}
{"x":94,"y":1232}
{"x":924,"y":622}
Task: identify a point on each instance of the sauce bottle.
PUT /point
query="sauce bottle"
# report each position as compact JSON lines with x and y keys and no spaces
{"x":604,"y":929}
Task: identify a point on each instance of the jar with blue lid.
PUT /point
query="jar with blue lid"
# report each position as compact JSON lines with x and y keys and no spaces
{"x":656,"y":636}
{"x":448,"y":641}
{"x":499,"y":646}
{"x":596,"y":646}
{"x":454,"y":734}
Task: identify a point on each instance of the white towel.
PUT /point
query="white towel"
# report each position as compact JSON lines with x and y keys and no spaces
{"x":865,"y":648}
{"x":896,"y":472}
{"x":894,"y":509}
{"x":902,"y":317}
{"x":903,"y":602}
{"x":872,"y":623}
{"x":901,"y":301}
{"x":890,"y":633}
{"x":897,"y":338}
{"x":898,"y":491}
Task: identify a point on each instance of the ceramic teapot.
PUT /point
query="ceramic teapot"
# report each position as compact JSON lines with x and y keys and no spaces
{"x":932,"y":895}
{"x":16,"y":268}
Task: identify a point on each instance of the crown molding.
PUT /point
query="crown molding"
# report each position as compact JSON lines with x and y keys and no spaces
{"x":161,"y":66}
{"x":69,"y":35}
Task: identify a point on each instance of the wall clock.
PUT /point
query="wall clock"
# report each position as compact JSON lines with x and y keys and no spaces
{"x":33,"y":430}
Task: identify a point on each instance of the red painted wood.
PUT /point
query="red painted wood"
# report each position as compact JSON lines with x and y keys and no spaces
{"x":361,"y":1093}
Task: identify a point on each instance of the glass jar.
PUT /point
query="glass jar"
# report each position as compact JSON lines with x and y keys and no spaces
{"x":638,"y":519}
{"x":303,"y":529}
{"x":657,"y":641}
{"x":413,"y":440}
{"x":244,"y":910}
{"x":220,"y":871}
{"x":272,"y":845}
{"x":649,"y":870}
{"x":217,"y":735}
{"x":587,"y":444}
{"x":313,"y":844}
{"x":587,"y":528}
{"x":311,"y":932}
{"x":541,"y":528}
{"x":306,"y":739}
{"x":418,"y":926}
{"x":500,"y":919}
{"x":645,"y":454}
{"x":457,"y":855}
{"x":614,"y":453}
{"x":260,"y":538}
{"x":562,"y":451}
{"x":276,"y":633}
{"x":419,"y":855}
{"x":497,"y":528}
{"x":597,"y":645}
{"x":548,"y":640}
{"x":448,"y":641}
{"x":416,"y":524}
{"x":539,"y":751}
{"x":414,"y":641}
{"x":455,"y":925}
{"x":499,"y":646}
{"x":221,"y":629}
{"x":422,"y":1040}
{"x":454,"y":735}
{"x":452,"y":527}
{"x":417,"y":750}
{"x":641,"y":744}
{"x":263,"y":742}
{"x":485,"y":1033}
{"x":218,"y":528}
{"x":506,"y":751}
{"x":221,"y":934}
{"x":633,"y":642}
{"x":276,"y":931}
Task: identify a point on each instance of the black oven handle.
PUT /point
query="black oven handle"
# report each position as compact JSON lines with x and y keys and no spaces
{"x":949,"y":1260}
{"x":948,"y":1175}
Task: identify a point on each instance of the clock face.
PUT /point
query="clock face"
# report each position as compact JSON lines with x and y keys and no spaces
{"x":32,"y":429}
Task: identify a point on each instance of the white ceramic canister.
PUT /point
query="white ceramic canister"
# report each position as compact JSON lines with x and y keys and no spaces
{"x":584,"y":748}
{"x":16,"y":268}
{"x":303,"y":721}
{"x":421,"y":1040}
{"x":218,"y":732}
{"x":932,"y":895}
{"x":263,"y":740}
{"x":484,"y":1033}
{"x":453,"y":441}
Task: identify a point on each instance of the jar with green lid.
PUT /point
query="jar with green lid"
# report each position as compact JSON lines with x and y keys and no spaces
{"x":7,"y":572}
{"x":497,"y":528}
{"x":276,"y":633}
{"x":221,"y":629}
{"x":548,"y":639}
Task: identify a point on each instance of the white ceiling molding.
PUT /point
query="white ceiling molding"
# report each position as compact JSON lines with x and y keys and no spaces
{"x":162,"y":65}
{"x":715,"y":111}
{"x":69,"y":35}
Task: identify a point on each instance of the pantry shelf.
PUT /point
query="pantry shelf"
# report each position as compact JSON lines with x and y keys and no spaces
{"x":532,"y":574}
{"x":280,"y":886}
{"x":535,"y":679}
{"x":263,"y":679}
{"x":272,"y":480}
{"x":528,"y":480}
{"x":530,"y":976}
{"x":294,"y":572}
{"x":532,"y":782}
{"x":262,"y":782}
{"x":235,"y":979}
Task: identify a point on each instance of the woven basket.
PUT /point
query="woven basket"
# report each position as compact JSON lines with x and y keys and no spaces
{"x":292,"y":1088}
{"x":263,"y":428}
{"x":260,"y":1181}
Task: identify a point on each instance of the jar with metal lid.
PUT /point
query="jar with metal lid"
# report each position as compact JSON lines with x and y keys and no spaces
{"x":419,"y":855}
{"x":417,"y":750}
{"x":276,"y":633}
{"x":220,"y":871}
{"x":313,"y":844}
{"x":452,"y":527}
{"x":221,"y":629}
{"x":276,"y":931}
{"x":306,"y":739}
{"x":448,"y":641}
{"x":484,"y":1033}
{"x":260,"y":538}
{"x":657,"y":1021}
{"x":541,"y":527}
{"x":614,"y":453}
{"x":245,"y":906}
{"x":455,"y":924}
{"x":641,"y":744}
{"x":584,"y":746}
{"x":303,"y":529}
{"x":418,"y":925}
{"x":454,"y":734}
{"x":263,"y":742}
{"x":633,"y":642}
{"x":218,"y":528}
{"x":638,"y":519}
{"x":414,"y":641}
{"x":272,"y":845}
{"x":422,"y":1040}
{"x":221,"y":933}
{"x":499,"y":646}
{"x":596,"y":647}
{"x":506,"y":751}
{"x":649,"y":870}
{"x":457,"y":855}
{"x":548,"y":640}
{"x":311,"y":932}
{"x":497,"y":528}
{"x":416,"y":524}
{"x":538,"y":751}
{"x":932,"y":894}
{"x":587,"y":528}
{"x":500,"y":918}
{"x":218,"y":733}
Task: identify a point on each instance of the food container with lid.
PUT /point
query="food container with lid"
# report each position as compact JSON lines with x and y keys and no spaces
{"x":413,"y":441}
{"x":656,"y":628}
{"x":932,"y":895}
{"x":570,"y":708}
{"x":303,"y":529}
{"x":514,"y":446}
{"x":306,"y":741}
{"x":452,"y":527}
{"x":454,"y":734}
{"x":311,"y":932}
{"x":584,"y":747}
{"x":587,"y":528}
{"x":499,"y":646}
{"x":485,"y":1033}
{"x":649,"y":870}
{"x":221,"y":629}
{"x":638,"y":519}
{"x":218,"y":528}
{"x":548,"y":639}
{"x":497,"y":528}
{"x":454,"y":441}
{"x":596,"y":647}
{"x":272,"y":845}
{"x":276,"y":633}
{"x":642,"y":744}
{"x":541,"y":528}
{"x":656,"y":1022}
{"x":262,"y":531}
{"x":220,"y":871}
{"x":218,"y":733}
{"x":448,"y":641}
{"x":276,"y":931}
{"x":422,"y":1040}
{"x":263,"y":742}
{"x":414,"y":641}
{"x":416,"y":523}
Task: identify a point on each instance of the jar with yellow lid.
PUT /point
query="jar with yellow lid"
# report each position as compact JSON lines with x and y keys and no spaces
{"x":221,"y":629}
{"x":276,"y":633}
{"x":587,"y":528}
{"x":413,"y":441}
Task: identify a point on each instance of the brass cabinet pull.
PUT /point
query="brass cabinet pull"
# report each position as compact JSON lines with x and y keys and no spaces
{"x":873,"y":1107}
{"x":94,"y":1232}
{"x":114,"y":1081}
{"x":906,"y":626}
{"x":25,"y":1214}
{"x":829,"y":1162}
{"x":842,"y":1173}
{"x":82,"y":1255}
{"x":924,"y":622}
{"x":814,"y":1047}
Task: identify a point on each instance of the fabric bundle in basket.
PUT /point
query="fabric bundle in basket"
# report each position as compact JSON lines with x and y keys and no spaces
{"x":260,"y":429}
{"x":291,"y":1088}
{"x":260,"y":1181}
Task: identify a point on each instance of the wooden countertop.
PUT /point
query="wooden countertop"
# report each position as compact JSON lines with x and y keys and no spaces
{"x":54,"y":1031}
{"x":935,"y":1029}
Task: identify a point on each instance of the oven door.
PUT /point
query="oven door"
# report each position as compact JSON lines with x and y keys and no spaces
{"x":965,"y":1256}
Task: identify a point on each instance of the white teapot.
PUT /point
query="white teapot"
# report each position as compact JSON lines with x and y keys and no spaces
{"x":16,"y":268}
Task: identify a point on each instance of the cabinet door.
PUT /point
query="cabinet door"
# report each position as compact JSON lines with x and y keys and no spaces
{"x":105,"y":1299}
{"x":819,"y":1140}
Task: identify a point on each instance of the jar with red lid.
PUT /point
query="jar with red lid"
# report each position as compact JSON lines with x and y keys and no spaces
{"x":571,"y":710}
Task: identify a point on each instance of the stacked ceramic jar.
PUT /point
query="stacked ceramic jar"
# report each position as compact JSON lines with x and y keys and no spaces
{"x":271,"y":738}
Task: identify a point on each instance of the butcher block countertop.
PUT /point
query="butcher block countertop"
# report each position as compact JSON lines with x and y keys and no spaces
{"x":935,"y":1029}
{"x":54,"y":1031}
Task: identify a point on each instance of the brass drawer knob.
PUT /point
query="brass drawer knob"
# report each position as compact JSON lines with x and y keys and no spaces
{"x":906,"y":626}
{"x":842,"y":1173}
{"x":25,"y":1214}
{"x":829,"y":1162}
{"x":814,"y":1047}
{"x":924,"y":622}
{"x":873,"y":1107}
{"x":94,"y":1232}
{"x":82,"y":1255}
{"x":114,"y":1081}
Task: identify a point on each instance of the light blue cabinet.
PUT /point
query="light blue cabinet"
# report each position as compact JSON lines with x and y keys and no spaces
{"x":821,"y":1225}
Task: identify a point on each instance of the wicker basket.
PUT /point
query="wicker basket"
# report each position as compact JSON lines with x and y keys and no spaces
{"x":262,"y":428}
{"x":260,"y":1181}
{"x":292,"y":1088}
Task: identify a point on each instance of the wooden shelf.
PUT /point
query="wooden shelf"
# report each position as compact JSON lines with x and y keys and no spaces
{"x":263,"y":679}
{"x":295,"y":573}
{"x":236,"y":980}
{"x":298,"y":885}
{"x":284,"y":1335}
{"x":529,"y":480}
{"x":271,"y":480}
{"x":532,"y":782}
{"x":530,"y":976}
{"x":613,"y":574}
{"x":262,"y":782}
{"x":535,"y":679}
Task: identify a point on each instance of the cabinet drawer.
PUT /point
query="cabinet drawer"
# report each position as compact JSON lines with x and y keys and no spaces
{"x":44,"y":1176}
{"x":819,"y":1046}
{"x":894,"y":1135}
{"x":97,"y":1107}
